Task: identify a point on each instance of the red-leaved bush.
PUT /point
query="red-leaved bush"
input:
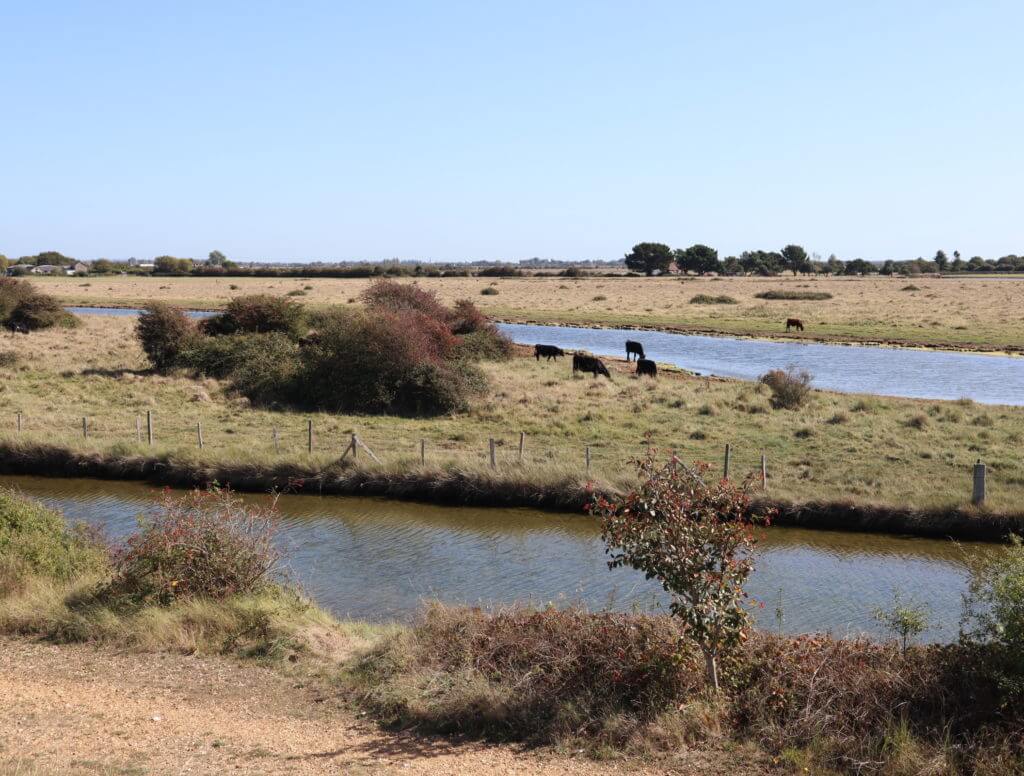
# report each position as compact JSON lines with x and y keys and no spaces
{"x":207,"y":544}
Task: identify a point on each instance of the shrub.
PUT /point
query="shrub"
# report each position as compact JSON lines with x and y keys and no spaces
{"x":296,"y":292}
{"x":708,"y":299}
{"x":790,"y":387}
{"x":208,"y":544}
{"x":21,"y":304}
{"x":696,"y":539}
{"x":910,"y":287}
{"x":262,"y":367}
{"x":35,"y":540}
{"x":258,"y":314}
{"x":489,"y":291}
{"x":388,"y":362}
{"x":521,"y":673}
{"x":394,"y":297}
{"x":9,"y":358}
{"x":484,"y":346}
{"x":919,"y":421}
{"x":165,"y":332}
{"x":815,"y":296}
{"x":994,"y":614}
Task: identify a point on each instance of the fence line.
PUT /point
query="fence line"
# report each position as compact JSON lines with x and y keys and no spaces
{"x":589,"y":455}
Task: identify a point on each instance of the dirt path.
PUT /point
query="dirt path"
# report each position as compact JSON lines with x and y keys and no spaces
{"x":84,"y":710}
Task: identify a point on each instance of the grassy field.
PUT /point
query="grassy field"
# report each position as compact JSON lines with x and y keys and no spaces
{"x":973,"y":313}
{"x":867,"y":449}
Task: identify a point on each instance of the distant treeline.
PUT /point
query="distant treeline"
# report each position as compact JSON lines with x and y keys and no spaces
{"x":645,"y":258}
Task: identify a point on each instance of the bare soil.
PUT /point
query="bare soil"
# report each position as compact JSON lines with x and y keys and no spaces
{"x":85,"y":710}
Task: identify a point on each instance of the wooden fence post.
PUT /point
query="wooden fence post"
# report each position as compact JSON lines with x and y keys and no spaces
{"x":309,"y":434}
{"x":978,"y":496}
{"x":522,"y":444}
{"x":355,"y":447}
{"x":138,"y":429}
{"x":764,"y":472}
{"x":728,"y":457}
{"x":423,"y":452}
{"x":586,"y":455}
{"x":199,"y":434}
{"x":277,"y":441}
{"x":494,"y":460}
{"x":149,"y":426}
{"x":19,"y":422}
{"x":85,"y":428}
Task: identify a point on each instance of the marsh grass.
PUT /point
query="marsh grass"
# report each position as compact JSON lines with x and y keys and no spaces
{"x":98,"y":371}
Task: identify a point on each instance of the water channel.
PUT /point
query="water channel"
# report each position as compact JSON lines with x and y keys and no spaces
{"x":378,"y":560}
{"x":922,"y":374}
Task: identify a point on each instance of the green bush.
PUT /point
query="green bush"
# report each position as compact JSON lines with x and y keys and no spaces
{"x":489,"y":291}
{"x":24,"y":306}
{"x":165,"y":332}
{"x":262,"y":367}
{"x":258,"y":314}
{"x":483,"y":346}
{"x":35,"y":540}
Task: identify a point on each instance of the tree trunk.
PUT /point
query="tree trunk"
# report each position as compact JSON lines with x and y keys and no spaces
{"x":712,"y":671}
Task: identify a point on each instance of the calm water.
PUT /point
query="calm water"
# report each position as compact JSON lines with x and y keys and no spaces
{"x":921,"y":374}
{"x":375,"y":559}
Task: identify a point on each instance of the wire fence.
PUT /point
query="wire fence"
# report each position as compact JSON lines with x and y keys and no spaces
{"x":323,"y":438}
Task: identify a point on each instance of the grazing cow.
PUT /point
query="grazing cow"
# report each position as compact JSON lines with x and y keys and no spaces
{"x":17,"y":328}
{"x":645,"y":366}
{"x":795,"y":323}
{"x":548,"y":351}
{"x":592,"y":364}
{"x":634,"y":349}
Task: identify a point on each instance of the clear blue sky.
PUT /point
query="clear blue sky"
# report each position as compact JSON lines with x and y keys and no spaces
{"x":462,"y":130}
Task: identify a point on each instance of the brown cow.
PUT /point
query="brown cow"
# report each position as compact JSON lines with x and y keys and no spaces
{"x":795,"y":323}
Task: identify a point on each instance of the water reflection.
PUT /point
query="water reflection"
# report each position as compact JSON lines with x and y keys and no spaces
{"x":378,"y":560}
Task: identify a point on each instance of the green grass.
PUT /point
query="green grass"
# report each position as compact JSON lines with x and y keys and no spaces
{"x":838,"y":447}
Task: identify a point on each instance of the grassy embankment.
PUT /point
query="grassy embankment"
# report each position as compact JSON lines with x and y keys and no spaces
{"x":606,"y":684}
{"x":968,"y":313}
{"x":904,"y":454}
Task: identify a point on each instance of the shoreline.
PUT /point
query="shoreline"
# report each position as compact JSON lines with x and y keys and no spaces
{"x":1010,"y":351}
{"x":453,"y":487}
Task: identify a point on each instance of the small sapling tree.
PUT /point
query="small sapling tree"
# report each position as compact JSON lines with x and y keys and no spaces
{"x":696,"y":538}
{"x":904,"y":619}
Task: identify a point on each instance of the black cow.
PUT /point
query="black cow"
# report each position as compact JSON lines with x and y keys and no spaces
{"x":795,"y":323}
{"x":634,"y":349}
{"x":592,"y":364}
{"x":548,"y":351}
{"x":645,"y":366}
{"x":17,"y":328}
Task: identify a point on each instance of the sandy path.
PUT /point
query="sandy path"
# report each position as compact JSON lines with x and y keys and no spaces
{"x":83,"y":710}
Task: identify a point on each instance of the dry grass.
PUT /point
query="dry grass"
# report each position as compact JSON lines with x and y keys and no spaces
{"x":960,"y":312}
{"x":872,"y":456}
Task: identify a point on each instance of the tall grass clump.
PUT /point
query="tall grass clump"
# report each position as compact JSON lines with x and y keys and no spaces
{"x":815,"y":296}
{"x":790,"y":387}
{"x":23,"y":306}
{"x":709,"y":299}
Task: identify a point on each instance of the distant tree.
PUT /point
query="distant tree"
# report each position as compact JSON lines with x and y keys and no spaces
{"x":172,"y":266}
{"x":217,"y":258}
{"x":956,"y":255}
{"x":648,"y":257}
{"x":859,"y":267}
{"x":795,"y":259}
{"x":888,"y":267}
{"x":835,"y":265}
{"x":941,"y":260}
{"x":958,"y":265}
{"x":4,"y":262}
{"x":977,"y":264}
{"x":47,"y":257}
{"x":732,"y":266}
{"x":103,"y":267}
{"x":698,"y":258}
{"x":761,"y":262}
